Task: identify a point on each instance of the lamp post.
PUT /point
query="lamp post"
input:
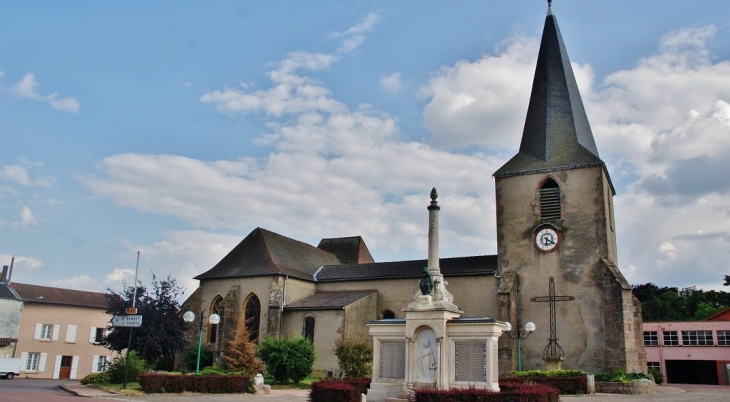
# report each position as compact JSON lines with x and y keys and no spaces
{"x":213,"y":319}
{"x":519,"y":335}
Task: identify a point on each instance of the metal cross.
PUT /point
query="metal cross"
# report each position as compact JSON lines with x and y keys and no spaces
{"x":552,"y":350}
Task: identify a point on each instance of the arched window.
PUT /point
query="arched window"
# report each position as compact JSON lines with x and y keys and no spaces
{"x":252,"y":317}
{"x":308,"y":330}
{"x":549,"y":200}
{"x":216,"y":308}
{"x":388,"y":314}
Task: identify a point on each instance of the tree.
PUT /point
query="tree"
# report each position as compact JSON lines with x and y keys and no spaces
{"x":705,"y":310}
{"x":163,"y":330}
{"x":354,"y":357}
{"x":727,"y":280}
{"x":287,"y":358}
{"x":240,"y":354}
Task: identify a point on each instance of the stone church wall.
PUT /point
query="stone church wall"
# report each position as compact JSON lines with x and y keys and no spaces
{"x":328,"y":329}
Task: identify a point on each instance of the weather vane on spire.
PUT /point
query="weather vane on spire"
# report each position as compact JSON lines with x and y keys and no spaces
{"x":550,"y":2}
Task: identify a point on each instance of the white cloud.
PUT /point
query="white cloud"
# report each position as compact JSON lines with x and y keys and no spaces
{"x":353,"y":37}
{"x":19,"y":174}
{"x":81,"y":282}
{"x":22,"y":263}
{"x":27,"y":87}
{"x":26,"y":216}
{"x":391,"y":83}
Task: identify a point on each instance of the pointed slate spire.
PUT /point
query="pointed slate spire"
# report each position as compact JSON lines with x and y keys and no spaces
{"x":557,"y":134}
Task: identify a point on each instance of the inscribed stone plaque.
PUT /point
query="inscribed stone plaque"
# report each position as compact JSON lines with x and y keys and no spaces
{"x":393,"y":359}
{"x":471,"y":361}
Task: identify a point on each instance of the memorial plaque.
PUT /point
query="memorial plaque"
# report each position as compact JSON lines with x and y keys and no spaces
{"x":393,"y":359}
{"x":471,"y":361}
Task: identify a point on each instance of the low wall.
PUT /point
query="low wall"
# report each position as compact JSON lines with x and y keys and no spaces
{"x":640,"y":387}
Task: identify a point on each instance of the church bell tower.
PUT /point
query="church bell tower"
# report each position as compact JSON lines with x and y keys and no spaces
{"x":555,"y":220}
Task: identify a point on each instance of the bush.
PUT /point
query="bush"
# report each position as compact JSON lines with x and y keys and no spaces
{"x":96,"y":378}
{"x":619,"y":375}
{"x":513,"y":392}
{"x":333,"y":391}
{"x":544,"y":373}
{"x":658,"y":376}
{"x":137,"y":366}
{"x":287,"y":358}
{"x":240,"y":354}
{"x":209,"y":384}
{"x":355,"y":358}
{"x":575,"y":384}
{"x":191,"y":357}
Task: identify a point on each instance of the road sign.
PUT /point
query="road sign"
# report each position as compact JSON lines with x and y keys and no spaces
{"x":127,"y":321}
{"x":130,"y":310}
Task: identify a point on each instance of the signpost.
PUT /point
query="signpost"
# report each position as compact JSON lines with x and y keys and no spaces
{"x":134,"y":321}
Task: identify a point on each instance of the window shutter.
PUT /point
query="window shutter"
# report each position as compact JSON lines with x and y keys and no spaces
{"x":38,"y":329}
{"x":74,"y":367}
{"x":56,"y":330}
{"x":92,"y":335}
{"x":71,"y":333}
{"x":42,"y":363}
{"x":550,"y":203}
{"x":24,"y":361}
{"x":57,"y":367}
{"x":95,"y":364}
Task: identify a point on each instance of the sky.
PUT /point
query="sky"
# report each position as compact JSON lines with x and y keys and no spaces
{"x":175,"y":128}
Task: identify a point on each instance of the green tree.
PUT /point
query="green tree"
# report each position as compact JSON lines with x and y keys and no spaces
{"x":163,"y":330}
{"x":705,"y":310}
{"x":354,"y":357}
{"x":287,"y":358}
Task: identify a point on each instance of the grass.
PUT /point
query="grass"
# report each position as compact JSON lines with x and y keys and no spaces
{"x":132,"y":388}
{"x":304,"y":384}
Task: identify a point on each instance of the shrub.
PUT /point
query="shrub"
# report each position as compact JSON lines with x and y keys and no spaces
{"x":156,"y":383}
{"x":544,"y":373}
{"x":240,"y":354}
{"x":191,"y":357}
{"x":333,"y":391}
{"x":515,"y":392}
{"x":287,"y":358}
{"x":137,"y":366}
{"x":96,"y":378}
{"x":619,"y":375}
{"x":658,"y":376}
{"x":355,"y":358}
{"x":575,"y":384}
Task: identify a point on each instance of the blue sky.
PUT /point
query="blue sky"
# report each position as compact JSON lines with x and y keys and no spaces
{"x":175,"y":128}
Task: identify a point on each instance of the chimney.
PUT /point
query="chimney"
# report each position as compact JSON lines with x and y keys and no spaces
{"x":4,"y":276}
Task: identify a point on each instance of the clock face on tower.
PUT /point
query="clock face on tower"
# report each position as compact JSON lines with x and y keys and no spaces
{"x":546,"y":239}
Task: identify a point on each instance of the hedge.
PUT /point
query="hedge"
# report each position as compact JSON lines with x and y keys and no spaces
{"x":207,"y":384}
{"x":576,"y":384}
{"x":333,"y":391}
{"x":512,"y":392}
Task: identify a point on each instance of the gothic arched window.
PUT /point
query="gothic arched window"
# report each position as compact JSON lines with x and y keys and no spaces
{"x":549,"y":200}
{"x":215,"y":308}
{"x":252,"y":317}
{"x":308,"y":330}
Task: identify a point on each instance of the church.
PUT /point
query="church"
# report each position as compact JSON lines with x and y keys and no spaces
{"x":556,"y":264}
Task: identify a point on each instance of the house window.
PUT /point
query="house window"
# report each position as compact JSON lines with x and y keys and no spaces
{"x":671,"y":338}
{"x":651,"y":338}
{"x":46,"y":331}
{"x":549,"y":200}
{"x":32,"y":363}
{"x":309,"y":328}
{"x":697,"y":338}
{"x":723,"y":338}
{"x":653,"y":365}
{"x":99,"y":335}
{"x":103,"y":364}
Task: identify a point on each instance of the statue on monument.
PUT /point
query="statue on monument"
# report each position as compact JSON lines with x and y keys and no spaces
{"x":427,"y":368}
{"x":426,"y":283}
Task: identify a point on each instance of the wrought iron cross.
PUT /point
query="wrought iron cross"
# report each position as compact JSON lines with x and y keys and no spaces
{"x":553,"y":349}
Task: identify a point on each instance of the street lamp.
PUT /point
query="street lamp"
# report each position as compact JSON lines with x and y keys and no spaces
{"x":213,"y":319}
{"x":522,"y":334}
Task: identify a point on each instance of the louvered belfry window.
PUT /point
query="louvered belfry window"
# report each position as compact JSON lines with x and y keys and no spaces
{"x":549,"y":200}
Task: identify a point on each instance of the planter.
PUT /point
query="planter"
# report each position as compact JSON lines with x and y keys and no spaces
{"x":639,"y":387}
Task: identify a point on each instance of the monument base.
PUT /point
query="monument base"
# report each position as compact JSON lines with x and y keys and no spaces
{"x":553,"y":363}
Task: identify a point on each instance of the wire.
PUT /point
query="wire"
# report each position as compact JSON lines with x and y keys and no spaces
{"x":67,"y":236}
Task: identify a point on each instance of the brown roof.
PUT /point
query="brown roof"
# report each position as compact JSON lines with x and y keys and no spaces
{"x":46,"y":294}
{"x":328,"y":300}
{"x":457,"y":266}
{"x":350,"y":250}
{"x":263,"y":252}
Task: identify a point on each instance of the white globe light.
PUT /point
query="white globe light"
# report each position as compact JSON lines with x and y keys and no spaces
{"x":530,"y":326}
{"x":189,"y":316}
{"x":507,"y":327}
{"x":214,"y":319}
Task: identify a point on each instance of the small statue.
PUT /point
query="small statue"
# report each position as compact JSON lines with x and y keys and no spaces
{"x":426,"y":283}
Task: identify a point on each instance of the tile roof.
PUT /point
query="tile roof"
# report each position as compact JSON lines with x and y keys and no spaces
{"x":328,"y":300}
{"x":456,"y":266}
{"x":263,"y":252}
{"x":349,"y":250}
{"x":557,"y":134}
{"x":46,"y":294}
